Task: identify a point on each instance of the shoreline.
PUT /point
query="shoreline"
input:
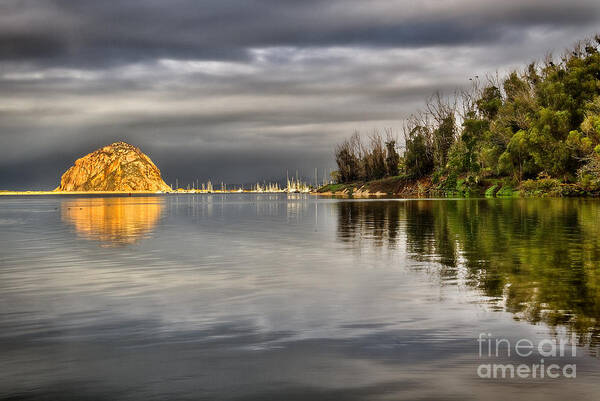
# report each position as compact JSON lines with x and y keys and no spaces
{"x":17,"y":193}
{"x":390,"y":187}
{"x":134,"y":193}
{"x":460,"y":187}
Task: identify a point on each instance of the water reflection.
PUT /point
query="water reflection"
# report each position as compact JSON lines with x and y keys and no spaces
{"x":113,"y":221}
{"x":538,"y":259}
{"x":294,"y":297}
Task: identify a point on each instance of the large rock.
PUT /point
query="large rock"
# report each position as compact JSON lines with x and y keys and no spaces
{"x":116,"y":167}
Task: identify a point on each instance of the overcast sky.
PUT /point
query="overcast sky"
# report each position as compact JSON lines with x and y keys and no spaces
{"x":241,"y":90}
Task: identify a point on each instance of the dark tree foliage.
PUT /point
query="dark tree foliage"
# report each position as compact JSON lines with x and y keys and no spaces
{"x":392,"y":160}
{"x":443,"y":138}
{"x":347,"y":160}
{"x":373,"y":159}
{"x":358,"y":161}
{"x":490,"y":101}
{"x":418,"y":155}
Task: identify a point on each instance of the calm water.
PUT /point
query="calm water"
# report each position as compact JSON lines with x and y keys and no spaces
{"x":258,"y":297}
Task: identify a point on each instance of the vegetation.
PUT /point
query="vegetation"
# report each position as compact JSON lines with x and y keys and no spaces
{"x":536,"y":130}
{"x":359,"y":161}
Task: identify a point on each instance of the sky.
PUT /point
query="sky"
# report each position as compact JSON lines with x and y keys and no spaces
{"x":242,"y":90}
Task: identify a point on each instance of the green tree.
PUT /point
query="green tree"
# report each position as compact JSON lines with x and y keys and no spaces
{"x":418,"y":155}
{"x":490,"y":102}
{"x":443,"y":138}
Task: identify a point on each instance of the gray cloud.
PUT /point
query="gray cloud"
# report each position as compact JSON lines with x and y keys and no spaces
{"x":107,"y":32}
{"x":243,"y":90}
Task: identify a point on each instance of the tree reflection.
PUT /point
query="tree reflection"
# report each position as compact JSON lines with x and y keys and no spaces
{"x":538,"y":259}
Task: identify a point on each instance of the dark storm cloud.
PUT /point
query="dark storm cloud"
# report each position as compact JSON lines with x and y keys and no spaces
{"x":96,"y":32}
{"x":243,"y":90}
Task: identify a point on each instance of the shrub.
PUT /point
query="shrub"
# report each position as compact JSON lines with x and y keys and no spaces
{"x":543,"y":186}
{"x":491,"y":191}
{"x":588,"y":176}
{"x":451,"y":182}
{"x":507,"y":191}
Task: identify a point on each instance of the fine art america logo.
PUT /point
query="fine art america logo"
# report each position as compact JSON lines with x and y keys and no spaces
{"x":539,"y":361}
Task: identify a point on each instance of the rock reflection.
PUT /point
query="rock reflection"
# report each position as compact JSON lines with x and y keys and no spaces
{"x":538,"y":259}
{"x":113,"y":221}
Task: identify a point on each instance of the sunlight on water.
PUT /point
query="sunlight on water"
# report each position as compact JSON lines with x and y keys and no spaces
{"x":114,"y":221}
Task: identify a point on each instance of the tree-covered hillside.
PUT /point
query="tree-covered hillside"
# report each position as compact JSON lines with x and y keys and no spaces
{"x":538,"y":129}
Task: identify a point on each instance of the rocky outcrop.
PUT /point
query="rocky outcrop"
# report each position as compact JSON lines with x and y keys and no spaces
{"x":116,"y":167}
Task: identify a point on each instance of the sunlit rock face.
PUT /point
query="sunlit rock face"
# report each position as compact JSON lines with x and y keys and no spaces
{"x":113,"y":221}
{"x":116,"y":167}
